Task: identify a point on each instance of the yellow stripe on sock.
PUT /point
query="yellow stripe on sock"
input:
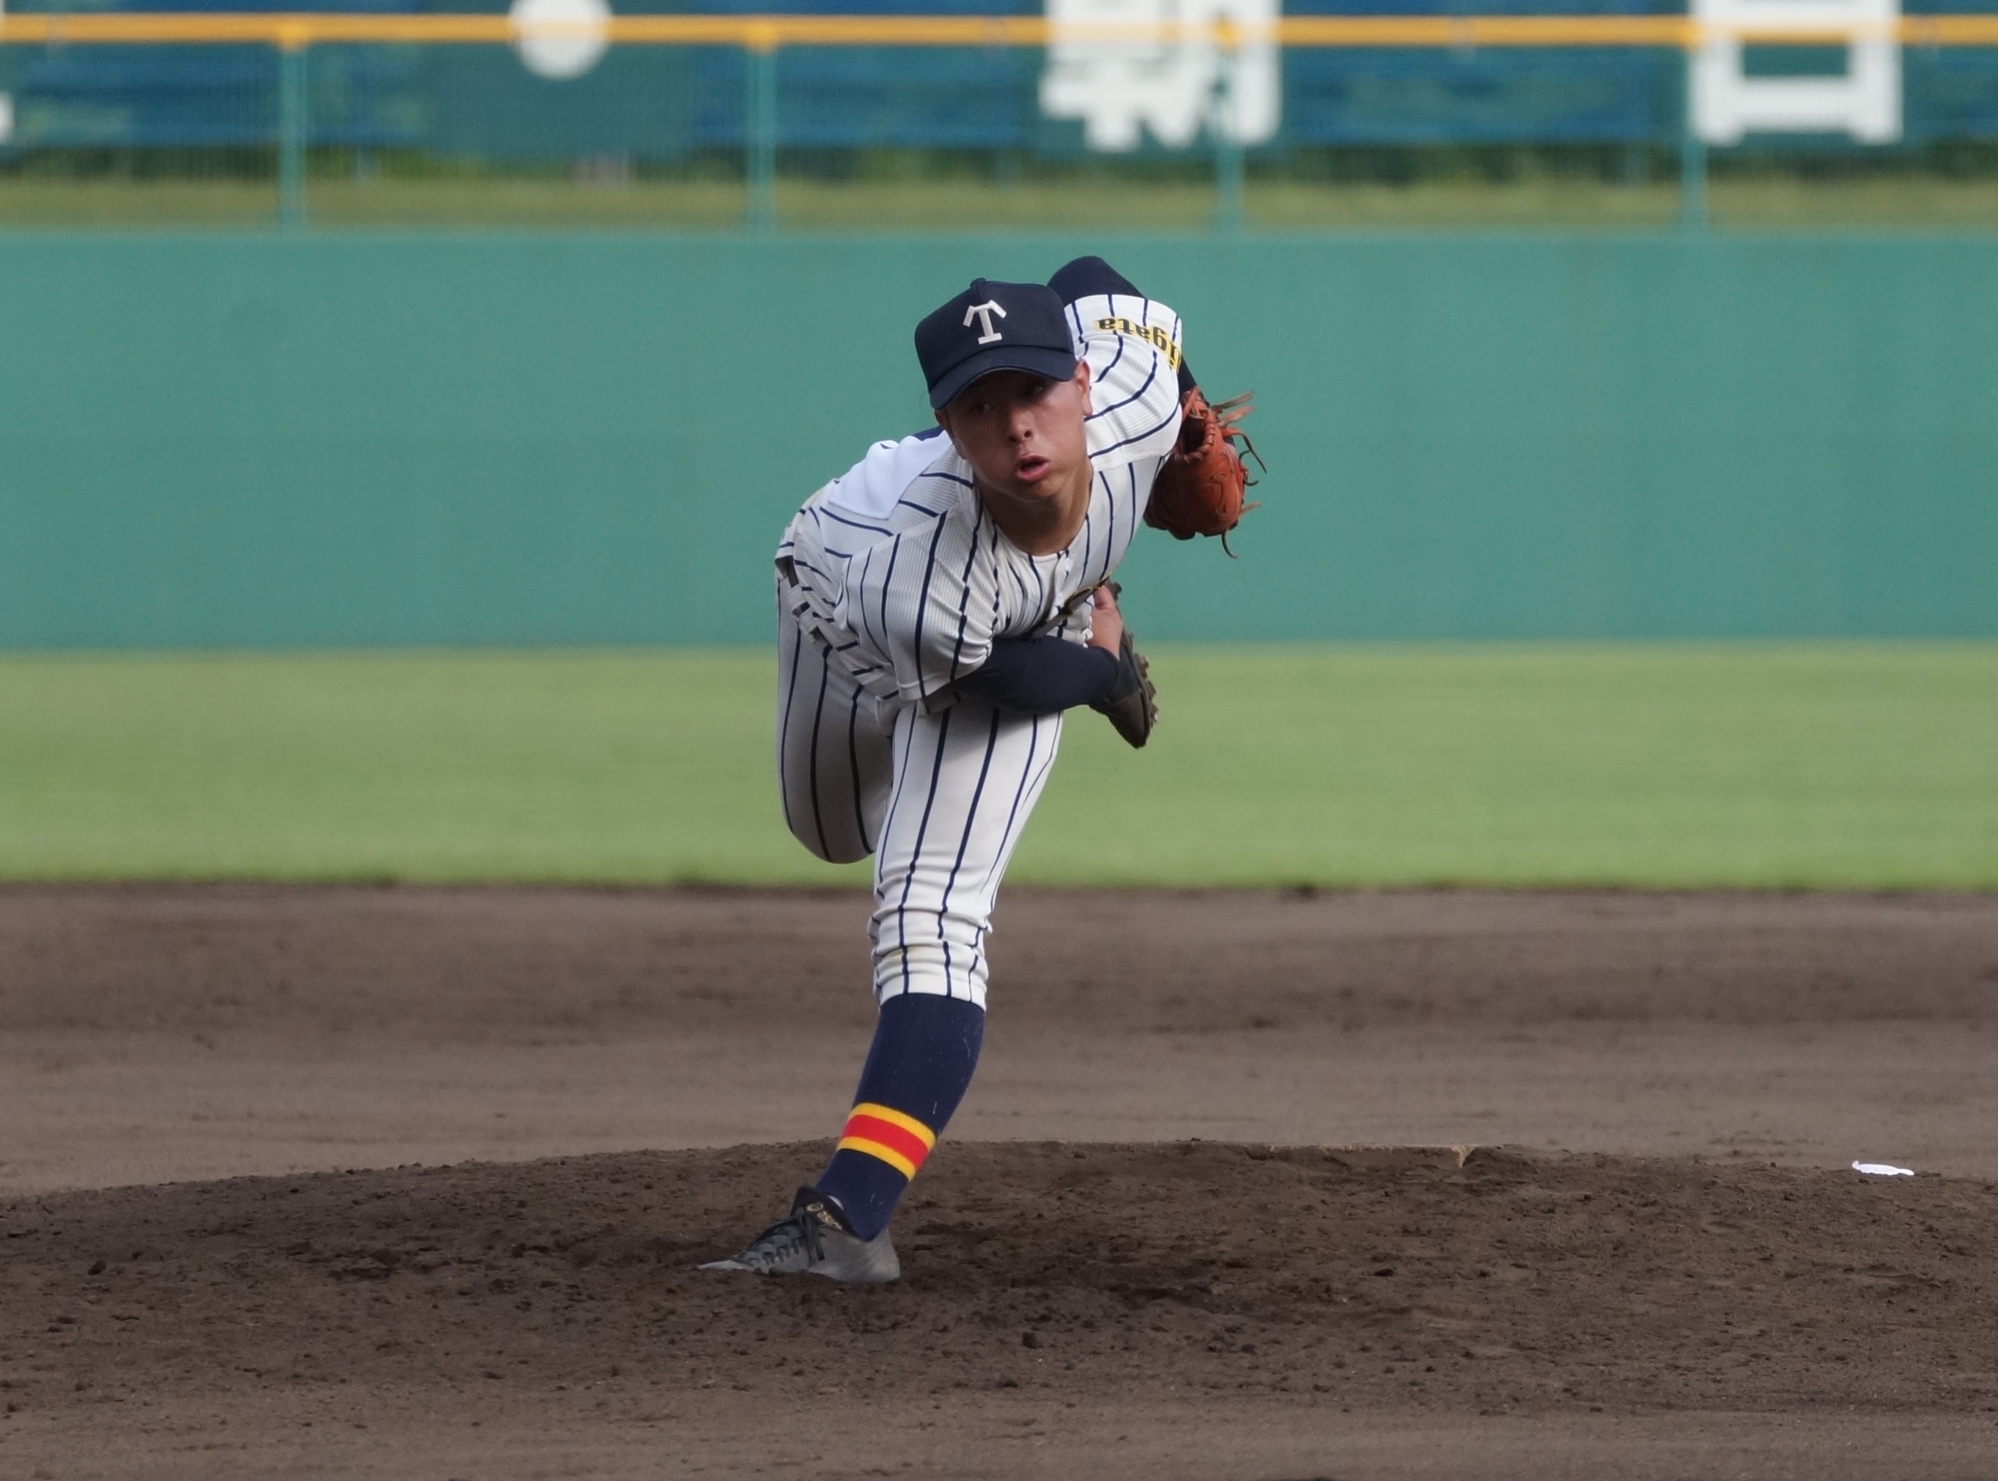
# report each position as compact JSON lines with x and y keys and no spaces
{"x":873,"y":1148}
{"x":894,"y":1117}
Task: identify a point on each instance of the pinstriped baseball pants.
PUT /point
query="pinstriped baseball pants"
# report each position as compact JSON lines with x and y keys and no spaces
{"x":939,"y":800}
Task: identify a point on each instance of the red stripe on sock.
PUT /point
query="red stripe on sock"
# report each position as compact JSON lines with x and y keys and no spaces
{"x":874,"y":1129}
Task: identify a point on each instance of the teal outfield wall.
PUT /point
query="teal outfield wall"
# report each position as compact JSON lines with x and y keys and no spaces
{"x":249,"y":440}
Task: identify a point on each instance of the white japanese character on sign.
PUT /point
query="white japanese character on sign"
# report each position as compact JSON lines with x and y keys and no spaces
{"x":1864,"y":100}
{"x":1170,"y":86}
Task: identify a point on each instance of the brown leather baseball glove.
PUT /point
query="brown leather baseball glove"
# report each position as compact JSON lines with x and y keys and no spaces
{"x":1199,"y":491}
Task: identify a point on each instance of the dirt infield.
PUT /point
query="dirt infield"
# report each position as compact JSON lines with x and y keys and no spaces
{"x":1691,"y":1283}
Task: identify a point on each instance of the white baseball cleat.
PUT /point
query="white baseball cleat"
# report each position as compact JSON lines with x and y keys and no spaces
{"x":816,"y":1239}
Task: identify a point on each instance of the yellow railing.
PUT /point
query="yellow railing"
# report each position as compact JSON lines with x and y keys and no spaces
{"x":769,"y":32}
{"x":762,"y":36}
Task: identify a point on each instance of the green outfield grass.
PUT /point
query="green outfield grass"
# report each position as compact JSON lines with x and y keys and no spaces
{"x":1818,"y":766}
{"x":1926,"y":202}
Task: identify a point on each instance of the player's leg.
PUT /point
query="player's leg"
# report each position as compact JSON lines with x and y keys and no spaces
{"x":835,"y":759}
{"x":919,"y":1066}
{"x":836,"y":770}
{"x":965,"y":783}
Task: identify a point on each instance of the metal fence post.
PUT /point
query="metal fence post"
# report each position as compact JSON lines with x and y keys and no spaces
{"x":1228,"y":162}
{"x":1228,"y":209}
{"x":760,"y":135}
{"x":1692,"y":162}
{"x":293,"y":127}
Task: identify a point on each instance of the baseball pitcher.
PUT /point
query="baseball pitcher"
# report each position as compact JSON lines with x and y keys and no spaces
{"x":939,"y":606}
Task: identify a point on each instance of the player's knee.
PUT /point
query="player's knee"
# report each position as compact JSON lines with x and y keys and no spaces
{"x":824,"y":843}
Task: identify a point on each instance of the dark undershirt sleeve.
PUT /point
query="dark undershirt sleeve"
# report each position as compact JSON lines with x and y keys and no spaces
{"x":1038,"y":676}
{"x":1087,"y":275}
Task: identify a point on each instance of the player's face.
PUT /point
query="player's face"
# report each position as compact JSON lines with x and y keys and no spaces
{"x":1022,"y":433}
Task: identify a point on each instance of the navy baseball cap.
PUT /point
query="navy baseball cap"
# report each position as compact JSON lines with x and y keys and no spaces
{"x":994,"y":326}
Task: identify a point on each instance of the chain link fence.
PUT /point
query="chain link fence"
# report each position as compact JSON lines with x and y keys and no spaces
{"x":1227,"y":118}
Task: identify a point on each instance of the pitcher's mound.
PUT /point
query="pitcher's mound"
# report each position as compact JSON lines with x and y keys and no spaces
{"x":1398,"y":1278}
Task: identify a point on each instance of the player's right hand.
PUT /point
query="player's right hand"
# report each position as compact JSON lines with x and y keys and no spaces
{"x":1106,"y":623}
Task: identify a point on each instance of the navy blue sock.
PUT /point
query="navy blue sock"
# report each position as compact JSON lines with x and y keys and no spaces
{"x":925,"y":1048}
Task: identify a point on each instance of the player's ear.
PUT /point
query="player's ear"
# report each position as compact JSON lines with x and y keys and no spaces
{"x":1082,"y":380}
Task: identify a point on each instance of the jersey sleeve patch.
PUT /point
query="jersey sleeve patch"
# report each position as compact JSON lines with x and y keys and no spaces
{"x":1155,"y":335}
{"x":1134,"y":349}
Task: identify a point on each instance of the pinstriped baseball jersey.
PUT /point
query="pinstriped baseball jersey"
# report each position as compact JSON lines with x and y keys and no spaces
{"x":904,"y":578}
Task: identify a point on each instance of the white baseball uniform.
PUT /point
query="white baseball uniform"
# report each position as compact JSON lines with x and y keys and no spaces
{"x":892,"y":582}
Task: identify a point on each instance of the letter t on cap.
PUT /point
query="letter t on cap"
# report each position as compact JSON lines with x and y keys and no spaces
{"x":983,"y":312}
